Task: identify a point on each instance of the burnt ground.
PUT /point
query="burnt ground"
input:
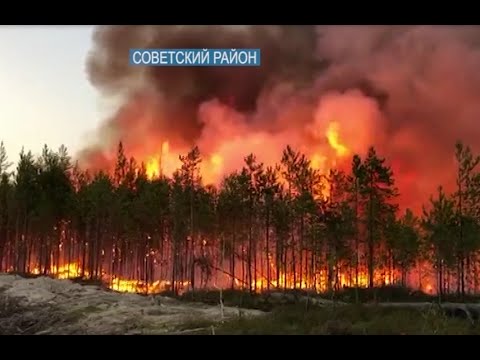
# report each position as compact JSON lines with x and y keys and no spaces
{"x":47,"y":306}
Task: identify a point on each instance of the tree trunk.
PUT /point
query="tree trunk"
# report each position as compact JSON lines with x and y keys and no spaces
{"x":267,"y":246}
{"x":440,"y":280}
{"x":233,"y":250}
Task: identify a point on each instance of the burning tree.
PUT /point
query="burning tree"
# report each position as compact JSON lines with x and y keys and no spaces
{"x":275,"y":227}
{"x":312,"y":205}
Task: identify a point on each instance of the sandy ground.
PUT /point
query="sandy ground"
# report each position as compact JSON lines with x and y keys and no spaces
{"x":48,"y":306}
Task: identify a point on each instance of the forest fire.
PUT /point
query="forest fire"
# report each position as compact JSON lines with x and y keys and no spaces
{"x":324,"y":165}
{"x":318,"y":282}
{"x":136,"y":286}
{"x":67,"y":271}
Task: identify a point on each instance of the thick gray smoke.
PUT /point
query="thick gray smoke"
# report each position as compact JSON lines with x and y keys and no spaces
{"x":286,"y":56}
{"x":420,"y":83}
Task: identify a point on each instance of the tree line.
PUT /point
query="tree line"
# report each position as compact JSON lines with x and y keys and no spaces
{"x":264,"y":227}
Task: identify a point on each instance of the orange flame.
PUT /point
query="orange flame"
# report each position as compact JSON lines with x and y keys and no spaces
{"x":333,"y":137}
{"x":317,"y":281}
{"x":154,"y":164}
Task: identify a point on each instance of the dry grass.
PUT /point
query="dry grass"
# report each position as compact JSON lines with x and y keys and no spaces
{"x":351,"y":320}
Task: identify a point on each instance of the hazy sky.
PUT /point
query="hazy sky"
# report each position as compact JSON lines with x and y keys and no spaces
{"x":45,"y":97}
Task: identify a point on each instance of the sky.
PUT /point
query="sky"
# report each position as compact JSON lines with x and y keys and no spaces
{"x":45,"y":96}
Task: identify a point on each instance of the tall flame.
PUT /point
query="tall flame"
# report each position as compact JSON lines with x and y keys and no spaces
{"x":153,"y":163}
{"x":153,"y":166}
{"x":333,"y":137}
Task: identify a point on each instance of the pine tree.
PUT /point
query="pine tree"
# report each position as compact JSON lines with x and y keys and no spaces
{"x":403,"y":242}
{"x":253,"y":171}
{"x":6,"y":213}
{"x":6,"y":190}
{"x":282,"y":214}
{"x":356,"y":179}
{"x":27,"y":203}
{"x":233,"y":212}
{"x":56,"y":192}
{"x":439,"y":222}
{"x":378,"y":193}
{"x":191,"y":179}
{"x":4,"y":163}
{"x":339,"y":226}
{"x":467,"y":237}
{"x":269,"y":188}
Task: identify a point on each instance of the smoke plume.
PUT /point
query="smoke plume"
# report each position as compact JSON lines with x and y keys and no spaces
{"x":411,"y":91}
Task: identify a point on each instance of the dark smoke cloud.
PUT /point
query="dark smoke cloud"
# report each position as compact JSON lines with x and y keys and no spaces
{"x":286,"y":56}
{"x":424,"y":80}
